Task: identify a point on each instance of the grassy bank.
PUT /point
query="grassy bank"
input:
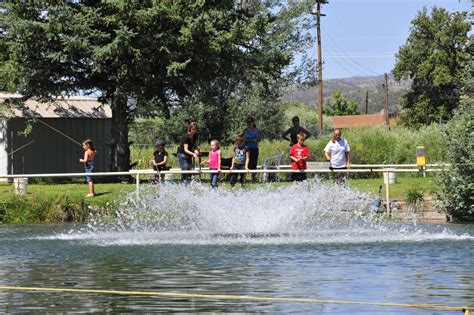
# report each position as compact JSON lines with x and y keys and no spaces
{"x":54,"y":203}
{"x":48,"y":203}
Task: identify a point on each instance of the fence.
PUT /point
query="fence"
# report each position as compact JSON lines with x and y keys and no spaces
{"x":376,"y":168}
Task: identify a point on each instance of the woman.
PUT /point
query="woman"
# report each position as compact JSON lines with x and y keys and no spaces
{"x":294,"y":131}
{"x":337,"y":152}
{"x":188,"y":149}
{"x":252,"y":138}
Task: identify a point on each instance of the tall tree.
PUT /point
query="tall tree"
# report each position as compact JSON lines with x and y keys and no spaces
{"x":10,"y":73}
{"x":142,"y":57}
{"x":339,"y":105}
{"x":433,"y":57}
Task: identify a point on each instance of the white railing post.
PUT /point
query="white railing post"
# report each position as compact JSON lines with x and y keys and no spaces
{"x":138,"y":184}
{"x":387,"y":192}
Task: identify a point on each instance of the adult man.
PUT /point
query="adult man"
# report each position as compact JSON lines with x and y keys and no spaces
{"x":337,"y":153}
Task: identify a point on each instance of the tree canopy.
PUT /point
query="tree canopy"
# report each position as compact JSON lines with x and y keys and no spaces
{"x":434,"y":58}
{"x":339,"y":105}
{"x":151,"y":58}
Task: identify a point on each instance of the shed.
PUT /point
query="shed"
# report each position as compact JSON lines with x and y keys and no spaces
{"x":53,"y":145}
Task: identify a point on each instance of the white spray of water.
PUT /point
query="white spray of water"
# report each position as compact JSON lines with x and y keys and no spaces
{"x":308,"y":212}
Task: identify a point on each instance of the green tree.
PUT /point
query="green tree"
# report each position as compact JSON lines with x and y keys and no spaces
{"x":10,"y":72}
{"x":339,"y":105}
{"x":433,"y":57}
{"x":147,"y":57}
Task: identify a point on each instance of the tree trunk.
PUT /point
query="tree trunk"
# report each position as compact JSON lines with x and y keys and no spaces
{"x":119,"y":146}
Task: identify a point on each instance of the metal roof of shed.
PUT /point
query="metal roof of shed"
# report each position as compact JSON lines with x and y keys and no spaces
{"x":67,"y":107}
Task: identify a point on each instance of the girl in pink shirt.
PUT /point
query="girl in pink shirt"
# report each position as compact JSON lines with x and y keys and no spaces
{"x":214,"y":162}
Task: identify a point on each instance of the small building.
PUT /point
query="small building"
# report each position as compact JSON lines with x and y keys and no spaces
{"x":51,"y":142}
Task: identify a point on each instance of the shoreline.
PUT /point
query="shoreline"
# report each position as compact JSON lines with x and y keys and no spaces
{"x":58,"y":203}
{"x":69,"y":212}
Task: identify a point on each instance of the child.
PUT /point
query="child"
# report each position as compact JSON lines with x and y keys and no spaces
{"x":88,"y":160}
{"x":214,"y":162}
{"x":160,"y":157}
{"x":299,"y":154}
{"x":240,"y":160}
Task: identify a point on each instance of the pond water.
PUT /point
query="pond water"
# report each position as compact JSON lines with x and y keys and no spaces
{"x":304,"y":241}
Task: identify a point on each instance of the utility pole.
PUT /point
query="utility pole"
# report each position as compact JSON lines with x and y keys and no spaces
{"x":366,"y":102}
{"x":320,"y":64}
{"x":385,"y":86}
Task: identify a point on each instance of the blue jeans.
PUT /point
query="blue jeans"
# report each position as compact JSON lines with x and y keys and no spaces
{"x":185,"y":164}
{"x":233,"y":176}
{"x":214,"y":178}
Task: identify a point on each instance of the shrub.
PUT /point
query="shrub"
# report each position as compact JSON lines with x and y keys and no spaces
{"x":457,"y":186}
{"x":380,"y":145}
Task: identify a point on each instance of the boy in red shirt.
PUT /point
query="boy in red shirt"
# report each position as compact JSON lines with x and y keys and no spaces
{"x":299,"y":154}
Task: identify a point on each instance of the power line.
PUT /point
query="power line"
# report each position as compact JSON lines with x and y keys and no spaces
{"x":355,"y":74}
{"x":360,"y":55}
{"x":346,"y":55}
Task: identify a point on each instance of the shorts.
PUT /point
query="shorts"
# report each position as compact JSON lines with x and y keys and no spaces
{"x":89,"y":169}
{"x":160,"y":168}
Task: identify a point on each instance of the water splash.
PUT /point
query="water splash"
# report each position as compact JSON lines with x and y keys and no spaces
{"x":308,"y":212}
{"x":199,"y":208}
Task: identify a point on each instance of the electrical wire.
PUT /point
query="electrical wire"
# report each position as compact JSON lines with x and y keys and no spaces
{"x":345,"y":54}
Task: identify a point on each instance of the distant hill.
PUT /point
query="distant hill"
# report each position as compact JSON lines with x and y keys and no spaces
{"x":354,"y":88}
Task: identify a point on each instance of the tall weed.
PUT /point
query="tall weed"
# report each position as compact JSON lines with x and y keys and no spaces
{"x":369,"y":145}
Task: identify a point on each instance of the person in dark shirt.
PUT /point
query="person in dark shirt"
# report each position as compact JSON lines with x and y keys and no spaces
{"x":188,"y":149}
{"x":294,"y":131}
{"x":252,"y":137}
{"x":240,"y":160}
{"x":160,"y":157}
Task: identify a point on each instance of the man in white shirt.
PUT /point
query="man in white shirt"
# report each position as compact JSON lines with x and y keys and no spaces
{"x":337,"y":153}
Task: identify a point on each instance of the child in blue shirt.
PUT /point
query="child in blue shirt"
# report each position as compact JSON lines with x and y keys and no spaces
{"x":240,"y":160}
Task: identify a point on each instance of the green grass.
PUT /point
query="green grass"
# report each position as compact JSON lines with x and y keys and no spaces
{"x":399,"y":189}
{"x":52,"y":203}
{"x":74,"y":192}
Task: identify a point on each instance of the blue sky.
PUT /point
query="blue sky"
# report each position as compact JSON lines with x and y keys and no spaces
{"x":361,"y":37}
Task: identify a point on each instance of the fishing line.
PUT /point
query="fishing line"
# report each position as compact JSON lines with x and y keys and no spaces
{"x":62,"y":133}
{"x":463,"y":309}
{"x":18,"y":149}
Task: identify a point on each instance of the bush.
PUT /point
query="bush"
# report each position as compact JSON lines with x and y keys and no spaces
{"x":457,"y":186}
{"x":380,"y":145}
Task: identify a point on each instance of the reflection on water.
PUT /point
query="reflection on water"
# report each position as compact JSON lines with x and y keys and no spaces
{"x":308,"y":241}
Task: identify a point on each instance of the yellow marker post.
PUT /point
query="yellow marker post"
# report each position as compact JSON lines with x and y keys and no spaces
{"x":420,"y":157}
